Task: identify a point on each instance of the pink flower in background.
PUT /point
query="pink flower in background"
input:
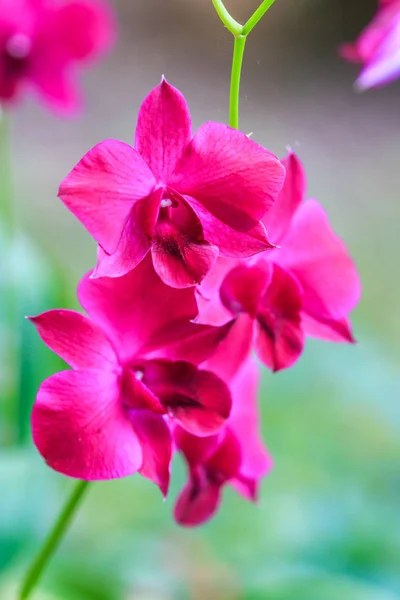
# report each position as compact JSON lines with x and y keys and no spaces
{"x":42,"y":43}
{"x":134,"y":361}
{"x":235,"y":456}
{"x":184,"y":198}
{"x":378,"y":47}
{"x":307,"y":286}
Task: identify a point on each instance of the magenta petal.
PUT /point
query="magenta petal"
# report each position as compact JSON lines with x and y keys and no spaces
{"x":103,"y":187}
{"x":184,"y":340}
{"x":81,"y":429}
{"x":243,"y":287}
{"x":163,"y":130}
{"x":331,"y":331}
{"x":234,"y":178}
{"x":319,"y":260}
{"x":82,"y":29}
{"x":198,"y":501}
{"x":181,"y":255}
{"x":195,"y":449}
{"x":245,"y":422}
{"x":155,"y":440}
{"x":279,"y":217}
{"x":231,"y":243}
{"x":279,"y":337}
{"x":135,"y":240}
{"x":78,"y":341}
{"x":234,"y":349}
{"x":132,"y":308}
{"x":225,"y":462}
{"x":179,"y":261}
{"x":57,"y":88}
{"x":199,"y":400}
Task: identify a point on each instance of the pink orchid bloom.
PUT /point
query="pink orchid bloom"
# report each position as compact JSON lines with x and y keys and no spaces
{"x":307,"y":286}
{"x":43,"y":41}
{"x":134,"y":366}
{"x":184,"y":198}
{"x":378,"y":47}
{"x":235,"y":456}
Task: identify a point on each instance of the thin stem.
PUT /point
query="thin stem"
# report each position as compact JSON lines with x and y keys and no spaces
{"x":237,"y":61}
{"x":52,"y":541}
{"x":257,"y":16}
{"x":230,"y":23}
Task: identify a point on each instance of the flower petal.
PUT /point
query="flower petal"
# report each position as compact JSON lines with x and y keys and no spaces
{"x":163,"y":130}
{"x":181,"y":256}
{"x":279,"y":337}
{"x":278,"y":219}
{"x":198,"y":501}
{"x":244,"y":422}
{"x":230,"y":175}
{"x":103,"y":187}
{"x":196,"y":450}
{"x":135,"y":240}
{"x":184,"y":340}
{"x":81,"y":429}
{"x":74,"y":337}
{"x":132,"y":308}
{"x":155,"y":440}
{"x":243,"y":287}
{"x":231,"y":243}
{"x":81,"y":29}
{"x":331,"y":331}
{"x":319,"y":260}
{"x":199,"y":400}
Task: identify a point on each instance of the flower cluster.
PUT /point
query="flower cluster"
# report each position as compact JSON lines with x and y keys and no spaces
{"x":43,"y":41}
{"x":187,"y":283}
{"x":378,"y":47}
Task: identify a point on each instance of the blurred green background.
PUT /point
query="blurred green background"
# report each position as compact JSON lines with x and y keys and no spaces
{"x":327,"y":524}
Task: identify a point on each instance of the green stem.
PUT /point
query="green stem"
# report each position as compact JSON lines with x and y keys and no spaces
{"x":237,"y":61}
{"x":240,"y":33}
{"x":52,"y":541}
{"x":233,"y":26}
{"x":257,"y":16}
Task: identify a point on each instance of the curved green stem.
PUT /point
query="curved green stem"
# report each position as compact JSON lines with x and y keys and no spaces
{"x":240,"y":33}
{"x":257,"y":16}
{"x":52,"y":541}
{"x":237,"y":61}
{"x":230,"y":23}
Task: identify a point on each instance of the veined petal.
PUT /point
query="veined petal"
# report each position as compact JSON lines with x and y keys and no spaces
{"x":132,"y":308}
{"x":135,"y":240}
{"x":81,"y":429}
{"x":163,"y":130}
{"x":234,"y":178}
{"x":74,"y":337}
{"x":184,"y":340}
{"x":319,"y":260}
{"x":278,"y":219}
{"x":231,"y":243}
{"x":155,"y":440}
{"x":103,"y":187}
{"x":198,"y":400}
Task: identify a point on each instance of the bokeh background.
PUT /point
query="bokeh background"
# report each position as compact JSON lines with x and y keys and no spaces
{"x":327,"y":524}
